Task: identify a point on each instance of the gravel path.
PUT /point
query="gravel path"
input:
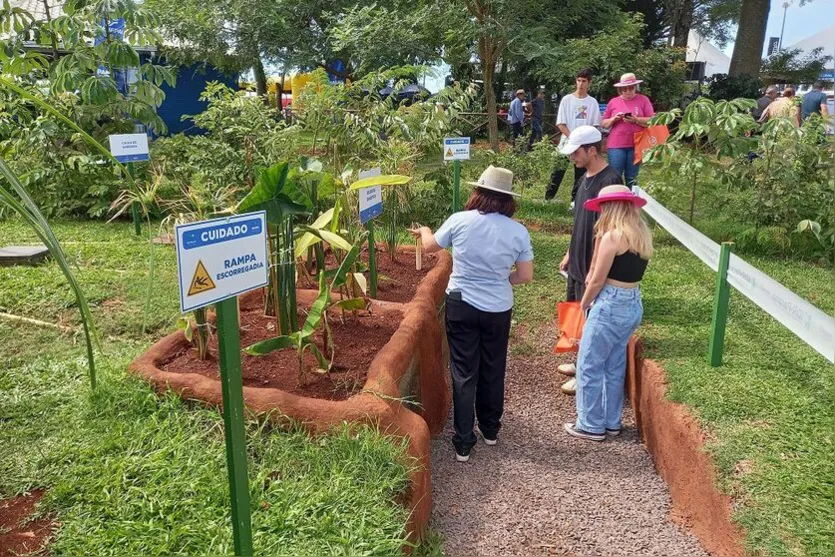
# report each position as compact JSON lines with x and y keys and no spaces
{"x":540,"y":492}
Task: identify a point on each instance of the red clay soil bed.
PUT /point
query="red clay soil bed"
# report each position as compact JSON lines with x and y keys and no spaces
{"x":19,"y":534}
{"x":356,"y":339}
{"x":397,"y":280}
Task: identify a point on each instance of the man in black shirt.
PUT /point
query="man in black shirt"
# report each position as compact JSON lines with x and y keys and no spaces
{"x":583,"y":148}
{"x":764,"y":101}
{"x":537,"y":107}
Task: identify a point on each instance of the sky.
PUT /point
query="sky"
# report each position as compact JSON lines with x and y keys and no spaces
{"x":801,"y":21}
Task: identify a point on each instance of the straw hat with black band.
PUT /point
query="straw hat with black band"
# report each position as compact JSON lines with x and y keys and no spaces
{"x":496,"y":179}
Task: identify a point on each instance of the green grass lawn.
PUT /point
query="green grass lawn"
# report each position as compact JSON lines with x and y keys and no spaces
{"x":768,"y":410}
{"x":128,"y":472}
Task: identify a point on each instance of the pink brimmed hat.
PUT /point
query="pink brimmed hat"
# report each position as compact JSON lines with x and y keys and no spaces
{"x":614,"y":193}
{"x":628,"y":79}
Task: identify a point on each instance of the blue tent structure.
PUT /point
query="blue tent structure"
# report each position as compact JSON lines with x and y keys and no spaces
{"x":184,"y":99}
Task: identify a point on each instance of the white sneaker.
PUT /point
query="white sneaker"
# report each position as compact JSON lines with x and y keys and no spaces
{"x":488,"y":442}
{"x":572,"y":430}
{"x":612,"y":432}
{"x":569,"y":387}
{"x":567,"y":369}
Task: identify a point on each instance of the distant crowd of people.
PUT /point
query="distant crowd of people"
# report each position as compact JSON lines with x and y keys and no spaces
{"x":774,"y":105}
{"x":627,"y":113}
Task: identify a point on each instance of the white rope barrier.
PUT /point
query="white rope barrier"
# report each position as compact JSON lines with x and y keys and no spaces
{"x":809,"y":323}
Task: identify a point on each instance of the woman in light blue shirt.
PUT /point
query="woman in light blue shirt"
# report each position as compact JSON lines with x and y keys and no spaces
{"x":486,"y":245}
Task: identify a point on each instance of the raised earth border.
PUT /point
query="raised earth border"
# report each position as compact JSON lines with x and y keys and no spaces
{"x":675,"y":441}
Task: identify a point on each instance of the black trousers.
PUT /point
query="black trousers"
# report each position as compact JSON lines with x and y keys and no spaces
{"x":556,"y":179}
{"x":575,"y":289}
{"x":536,"y":133}
{"x":478,"y":356}
{"x":517,"y":129}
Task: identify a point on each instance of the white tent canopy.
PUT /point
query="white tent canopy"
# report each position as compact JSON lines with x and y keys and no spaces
{"x":823,"y":39}
{"x":699,"y":50}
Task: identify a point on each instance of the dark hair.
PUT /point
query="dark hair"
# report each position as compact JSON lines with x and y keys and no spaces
{"x":540,"y":92}
{"x":597,"y":145}
{"x":818,"y":85}
{"x":788,"y":92}
{"x":488,"y":201}
{"x":585,"y":73}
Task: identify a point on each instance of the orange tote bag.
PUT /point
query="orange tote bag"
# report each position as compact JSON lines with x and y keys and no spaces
{"x":647,"y":139}
{"x":571,"y":319}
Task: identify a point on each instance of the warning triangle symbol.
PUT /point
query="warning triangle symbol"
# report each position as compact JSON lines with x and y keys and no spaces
{"x":201,"y":281}
{"x":449,"y":152}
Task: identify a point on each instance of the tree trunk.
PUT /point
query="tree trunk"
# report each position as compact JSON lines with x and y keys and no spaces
{"x":488,"y":68}
{"x":750,"y":36}
{"x":681,"y":22}
{"x":260,"y":79}
{"x":492,"y":115}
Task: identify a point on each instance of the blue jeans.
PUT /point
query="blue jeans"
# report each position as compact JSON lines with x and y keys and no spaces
{"x":620,"y":159}
{"x":601,"y":363}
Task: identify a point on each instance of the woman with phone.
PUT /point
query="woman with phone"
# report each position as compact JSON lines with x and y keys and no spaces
{"x":626,"y":114}
{"x":623,"y":246}
{"x":487,"y":244}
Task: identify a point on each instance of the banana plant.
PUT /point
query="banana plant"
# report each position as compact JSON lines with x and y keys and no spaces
{"x":303,"y":339}
{"x":325,"y":229}
{"x":23,"y":205}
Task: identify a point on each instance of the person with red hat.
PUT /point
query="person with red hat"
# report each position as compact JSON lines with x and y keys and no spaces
{"x":613,"y":302}
{"x":626,"y":114}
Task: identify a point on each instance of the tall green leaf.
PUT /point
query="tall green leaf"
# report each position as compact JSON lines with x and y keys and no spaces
{"x":351,"y":304}
{"x":29,"y":211}
{"x":313,"y":236}
{"x":387,"y":180}
{"x":345,"y":267}
{"x":323,"y":362}
{"x":317,"y":309}
{"x":272,"y":344}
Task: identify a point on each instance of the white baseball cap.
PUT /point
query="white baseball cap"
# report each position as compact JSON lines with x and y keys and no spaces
{"x":583,"y":135}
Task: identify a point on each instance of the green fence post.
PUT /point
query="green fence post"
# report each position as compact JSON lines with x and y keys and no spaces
{"x":720,"y":307}
{"x":372,"y":259}
{"x":134,"y":207}
{"x":456,"y":186}
{"x":229,"y":345}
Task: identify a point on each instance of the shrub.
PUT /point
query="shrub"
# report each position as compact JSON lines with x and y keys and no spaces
{"x":723,"y":87}
{"x":64,"y":176}
{"x":769,"y":191}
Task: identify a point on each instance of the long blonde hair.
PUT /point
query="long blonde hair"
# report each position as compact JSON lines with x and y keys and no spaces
{"x":625,"y":220}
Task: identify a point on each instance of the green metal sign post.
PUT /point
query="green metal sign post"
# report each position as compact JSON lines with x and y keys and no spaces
{"x":456,"y":186}
{"x":229,"y":345}
{"x":134,"y":207}
{"x":720,"y":307}
{"x":372,"y":259}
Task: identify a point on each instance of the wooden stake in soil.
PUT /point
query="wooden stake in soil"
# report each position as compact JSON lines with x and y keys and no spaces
{"x":418,"y":254}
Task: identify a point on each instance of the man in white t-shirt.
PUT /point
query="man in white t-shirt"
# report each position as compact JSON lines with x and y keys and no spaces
{"x":576,"y":109}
